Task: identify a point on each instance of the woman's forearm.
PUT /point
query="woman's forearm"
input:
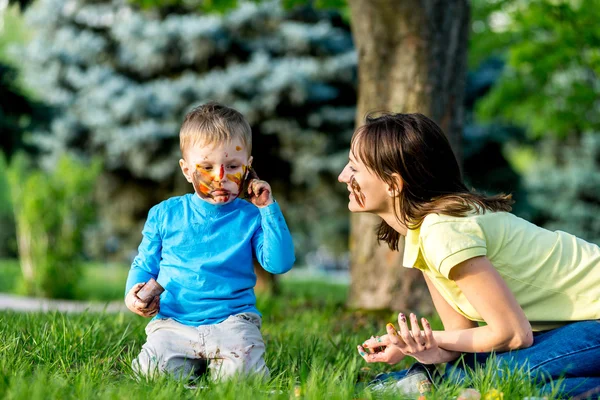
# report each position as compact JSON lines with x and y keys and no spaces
{"x":482,"y":339}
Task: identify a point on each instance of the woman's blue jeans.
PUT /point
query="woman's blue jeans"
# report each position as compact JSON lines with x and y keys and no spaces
{"x":571,"y":352}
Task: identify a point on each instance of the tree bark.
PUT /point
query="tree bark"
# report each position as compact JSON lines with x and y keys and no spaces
{"x":411,"y":58}
{"x":25,"y":251}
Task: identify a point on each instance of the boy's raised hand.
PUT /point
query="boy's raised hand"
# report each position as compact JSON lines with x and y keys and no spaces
{"x":136,"y":305}
{"x":259,"y":192}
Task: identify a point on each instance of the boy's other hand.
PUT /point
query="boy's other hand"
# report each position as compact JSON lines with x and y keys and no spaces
{"x":260,"y":193}
{"x":136,"y":305}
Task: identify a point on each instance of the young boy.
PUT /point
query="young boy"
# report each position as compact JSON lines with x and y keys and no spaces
{"x":200,"y":248}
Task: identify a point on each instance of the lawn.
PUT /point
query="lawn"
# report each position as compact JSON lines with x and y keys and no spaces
{"x":311,"y":351}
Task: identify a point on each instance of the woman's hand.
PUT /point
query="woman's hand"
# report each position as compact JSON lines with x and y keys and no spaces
{"x":136,"y":305}
{"x":381,"y":351}
{"x":414,"y":342}
{"x":259,"y":192}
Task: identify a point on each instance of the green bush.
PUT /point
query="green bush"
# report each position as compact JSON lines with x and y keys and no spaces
{"x":7,"y":225}
{"x":52,"y":210}
{"x":568,"y":197}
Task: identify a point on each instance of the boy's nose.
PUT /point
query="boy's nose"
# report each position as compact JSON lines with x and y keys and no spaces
{"x":220,"y":174}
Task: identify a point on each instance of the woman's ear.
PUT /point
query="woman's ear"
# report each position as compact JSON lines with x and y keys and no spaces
{"x":396,"y":188}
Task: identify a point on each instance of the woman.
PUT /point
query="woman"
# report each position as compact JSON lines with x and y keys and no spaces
{"x":538,"y":292}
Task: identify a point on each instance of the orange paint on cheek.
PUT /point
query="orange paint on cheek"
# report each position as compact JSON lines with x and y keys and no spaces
{"x":202,"y":181}
{"x":238,"y":178}
{"x":235,"y":178}
{"x":203,"y":187}
{"x":204,"y":174}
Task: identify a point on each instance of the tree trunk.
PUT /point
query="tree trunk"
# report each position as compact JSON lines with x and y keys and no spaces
{"x":266,"y":282}
{"x":411,"y":58}
{"x":25,"y":250}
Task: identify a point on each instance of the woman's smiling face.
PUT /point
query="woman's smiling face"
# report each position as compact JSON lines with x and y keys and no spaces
{"x":368,"y":193}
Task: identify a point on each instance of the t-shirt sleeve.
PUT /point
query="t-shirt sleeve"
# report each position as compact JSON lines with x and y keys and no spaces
{"x":272,"y":242}
{"x":448,"y":243}
{"x":146,"y":263}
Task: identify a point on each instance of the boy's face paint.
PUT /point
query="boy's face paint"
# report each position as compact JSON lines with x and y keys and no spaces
{"x":238,"y":178}
{"x":217,"y":177}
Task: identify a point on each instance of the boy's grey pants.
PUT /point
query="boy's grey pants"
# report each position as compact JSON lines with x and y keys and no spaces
{"x":232,"y":347}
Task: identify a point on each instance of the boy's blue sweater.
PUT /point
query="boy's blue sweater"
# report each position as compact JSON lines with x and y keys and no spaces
{"x":202,"y":255}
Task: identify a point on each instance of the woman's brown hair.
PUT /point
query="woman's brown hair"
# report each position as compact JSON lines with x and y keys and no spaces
{"x":415,"y":147}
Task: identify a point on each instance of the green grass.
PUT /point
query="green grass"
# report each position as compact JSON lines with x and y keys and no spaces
{"x":311,"y":349}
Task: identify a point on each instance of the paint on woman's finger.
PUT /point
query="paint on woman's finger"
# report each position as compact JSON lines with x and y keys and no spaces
{"x":361,"y":351}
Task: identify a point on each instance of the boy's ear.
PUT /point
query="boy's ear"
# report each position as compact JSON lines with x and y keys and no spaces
{"x":185,"y":170}
{"x":395,"y":189}
{"x":250,"y":161}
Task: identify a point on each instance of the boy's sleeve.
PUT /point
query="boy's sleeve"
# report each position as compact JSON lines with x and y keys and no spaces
{"x":447,"y":244}
{"x":146,"y":263}
{"x":272,"y":242}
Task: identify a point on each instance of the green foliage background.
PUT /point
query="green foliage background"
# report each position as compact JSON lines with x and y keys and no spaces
{"x":550,"y":87}
{"x":550,"y":84}
{"x":52,"y":211}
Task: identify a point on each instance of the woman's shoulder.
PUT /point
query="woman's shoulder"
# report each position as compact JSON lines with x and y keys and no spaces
{"x":447,"y":240}
{"x":432,"y":220}
{"x":436,"y":222}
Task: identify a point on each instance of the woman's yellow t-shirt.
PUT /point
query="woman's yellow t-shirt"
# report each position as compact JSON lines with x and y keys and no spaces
{"x":554,"y":276}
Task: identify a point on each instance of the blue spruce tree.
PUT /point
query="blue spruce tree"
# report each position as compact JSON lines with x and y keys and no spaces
{"x":122,"y":79}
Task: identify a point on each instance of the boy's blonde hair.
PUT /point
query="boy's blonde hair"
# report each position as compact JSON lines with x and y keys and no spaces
{"x":214,"y":123}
